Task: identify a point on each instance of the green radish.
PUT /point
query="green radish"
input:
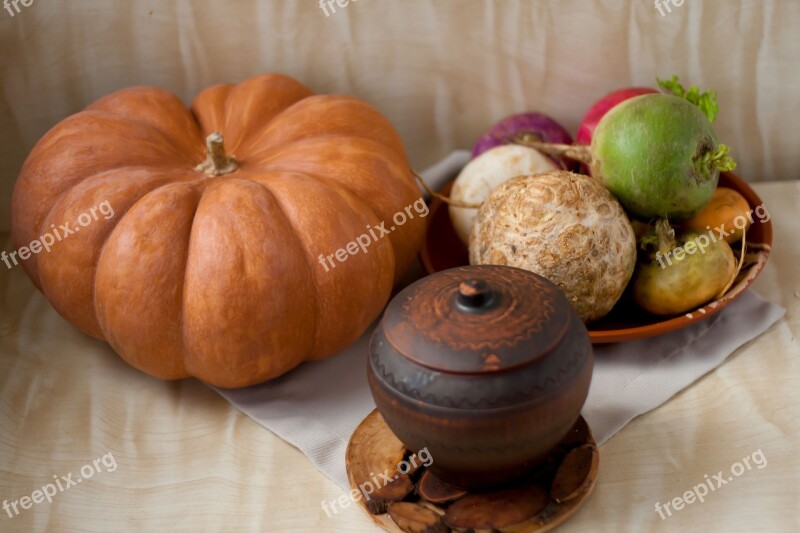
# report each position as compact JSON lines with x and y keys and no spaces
{"x":677,"y":274}
{"x":657,"y":153}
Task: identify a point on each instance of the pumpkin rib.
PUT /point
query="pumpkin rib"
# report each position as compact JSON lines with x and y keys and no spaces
{"x":259,"y":92}
{"x":189,"y":180}
{"x":152,"y":106}
{"x":208,"y":107}
{"x":335,"y":186}
{"x":31,"y":266}
{"x":345,"y":194}
{"x":132,"y":271}
{"x":332,"y":185}
{"x":366,"y":205}
{"x":311,"y":275}
{"x":124,"y":169}
{"x":229,"y":351}
{"x":42,"y":180}
{"x":371,"y":147}
{"x":356,"y":207}
{"x":186,"y":259}
{"x":120,"y":208}
{"x":180,"y":150}
{"x":221,"y":107}
{"x":331,"y":117}
{"x":309,"y":157}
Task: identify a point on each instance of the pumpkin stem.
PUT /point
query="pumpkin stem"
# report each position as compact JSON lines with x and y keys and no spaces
{"x":217,"y":162}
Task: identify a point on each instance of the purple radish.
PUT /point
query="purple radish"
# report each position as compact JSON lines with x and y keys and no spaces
{"x":536,"y":126}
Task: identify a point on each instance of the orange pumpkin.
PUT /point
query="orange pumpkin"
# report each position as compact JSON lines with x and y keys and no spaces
{"x":210,"y":265}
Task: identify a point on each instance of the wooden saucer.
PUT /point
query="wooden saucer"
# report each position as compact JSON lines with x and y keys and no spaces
{"x":412,"y":500}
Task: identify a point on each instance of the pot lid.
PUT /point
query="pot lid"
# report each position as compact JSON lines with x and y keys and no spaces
{"x":478,"y":319}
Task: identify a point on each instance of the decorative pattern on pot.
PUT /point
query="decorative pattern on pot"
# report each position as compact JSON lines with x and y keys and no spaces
{"x":487,"y":366}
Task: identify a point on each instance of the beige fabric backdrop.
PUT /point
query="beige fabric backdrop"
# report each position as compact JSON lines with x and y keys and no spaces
{"x":442,"y":70}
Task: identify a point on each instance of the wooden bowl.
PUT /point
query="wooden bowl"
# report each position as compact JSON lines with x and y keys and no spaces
{"x":443,"y":249}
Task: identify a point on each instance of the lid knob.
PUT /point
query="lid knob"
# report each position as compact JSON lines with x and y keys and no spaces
{"x":474,"y":295}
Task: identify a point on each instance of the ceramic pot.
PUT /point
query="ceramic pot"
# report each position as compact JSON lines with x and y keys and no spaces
{"x":486,"y":366}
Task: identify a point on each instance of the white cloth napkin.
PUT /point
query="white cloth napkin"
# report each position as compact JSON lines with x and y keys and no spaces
{"x":317,"y":406}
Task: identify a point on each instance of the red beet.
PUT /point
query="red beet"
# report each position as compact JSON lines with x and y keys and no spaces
{"x":541,"y":127}
{"x":602,"y":106}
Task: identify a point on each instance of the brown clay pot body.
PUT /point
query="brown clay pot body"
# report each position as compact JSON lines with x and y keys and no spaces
{"x":485,"y":366}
